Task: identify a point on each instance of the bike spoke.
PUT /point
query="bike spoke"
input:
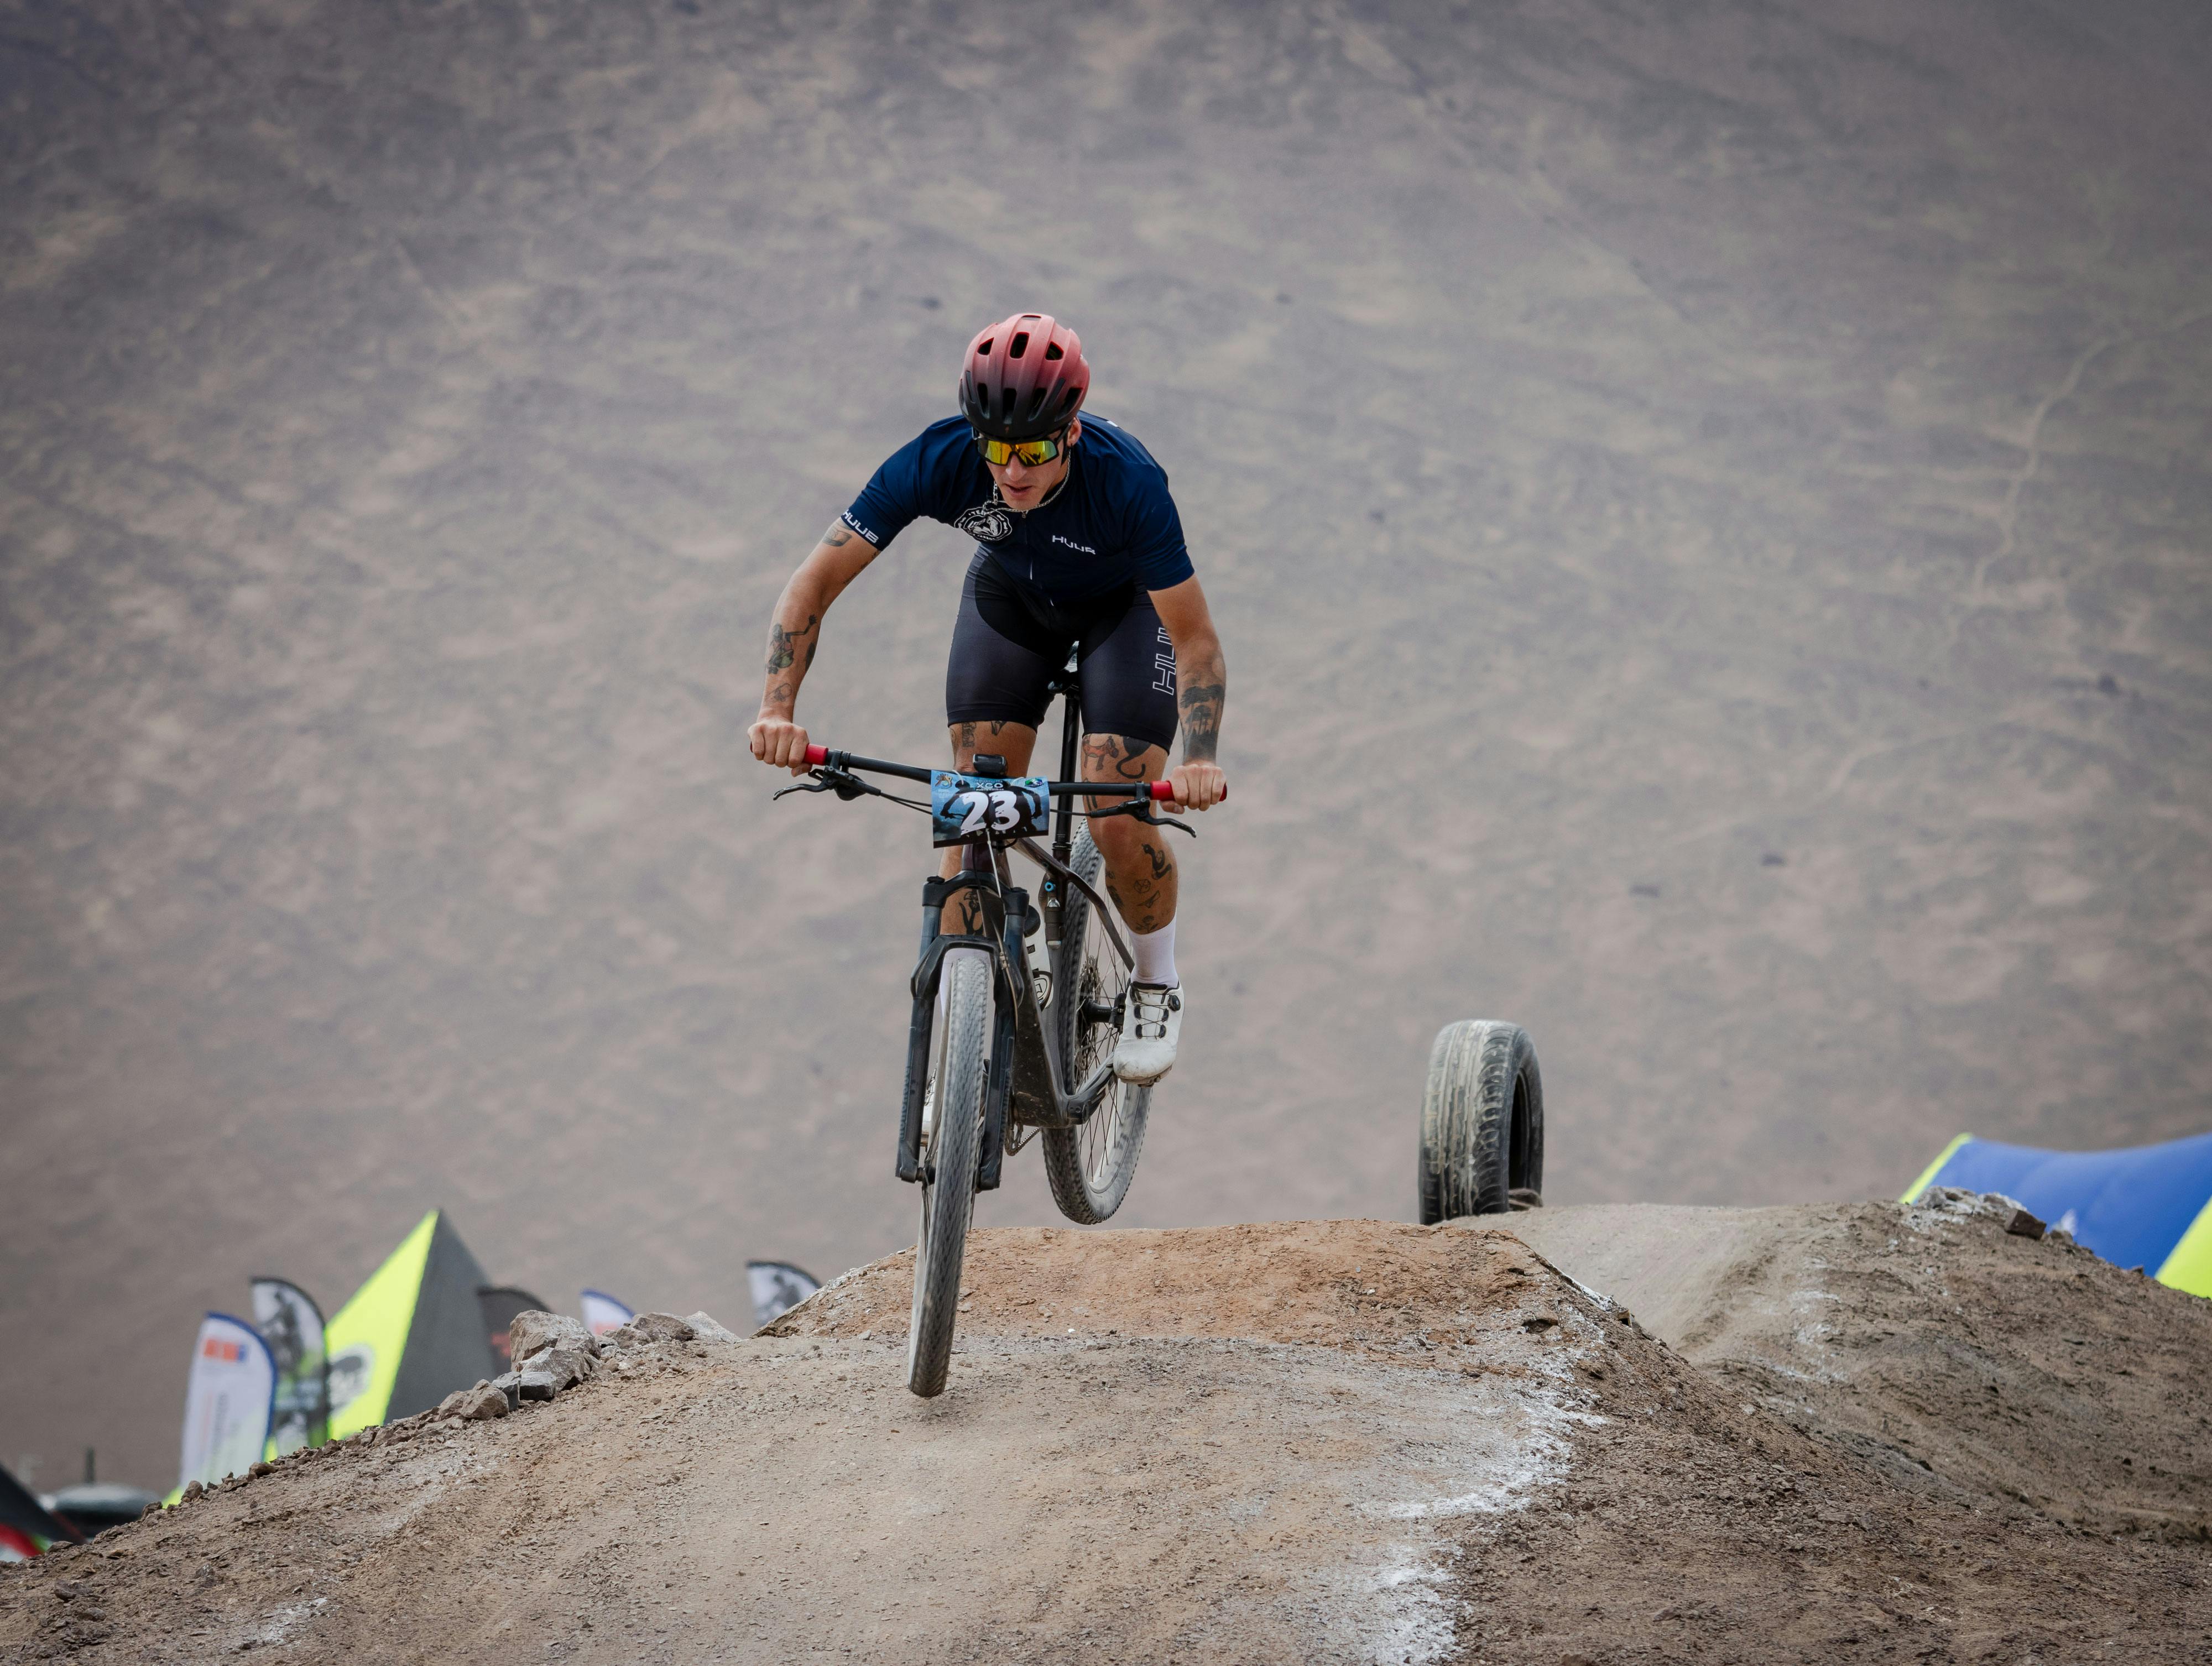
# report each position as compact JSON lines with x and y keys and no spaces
{"x":1090,"y":1165}
{"x":1100,"y":999}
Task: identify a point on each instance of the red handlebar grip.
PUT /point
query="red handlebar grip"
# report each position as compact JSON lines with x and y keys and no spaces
{"x":1162,"y":789}
{"x":817,"y":754}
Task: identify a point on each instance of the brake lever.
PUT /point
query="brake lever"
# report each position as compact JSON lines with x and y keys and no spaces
{"x":830,"y":779}
{"x":1141,"y":809}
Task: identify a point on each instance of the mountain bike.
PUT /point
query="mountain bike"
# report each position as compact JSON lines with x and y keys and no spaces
{"x":1004,"y":1047}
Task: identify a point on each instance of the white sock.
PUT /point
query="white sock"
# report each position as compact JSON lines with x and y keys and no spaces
{"x":1155,"y":952}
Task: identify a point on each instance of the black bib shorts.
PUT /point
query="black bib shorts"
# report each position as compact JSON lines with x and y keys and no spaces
{"x":1006,"y":647}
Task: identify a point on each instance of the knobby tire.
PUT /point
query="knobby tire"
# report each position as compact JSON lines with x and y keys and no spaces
{"x":1090,"y":1168}
{"x":960,"y":1069}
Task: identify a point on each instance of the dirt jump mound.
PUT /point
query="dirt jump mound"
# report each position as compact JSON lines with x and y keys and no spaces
{"x":1316,"y":1441}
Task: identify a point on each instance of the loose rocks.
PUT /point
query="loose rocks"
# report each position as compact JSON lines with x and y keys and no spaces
{"x":551,"y":1352}
{"x":707,"y":1329}
{"x":520,"y":1385}
{"x":652,"y":1328}
{"x":566,"y":1367}
{"x":2008,"y":1211}
{"x":531,"y":1334}
{"x":475,"y":1404}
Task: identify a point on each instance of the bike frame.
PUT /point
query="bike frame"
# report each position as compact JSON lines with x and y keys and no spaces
{"x":1025,"y":1085}
{"x":1025,"y":1071}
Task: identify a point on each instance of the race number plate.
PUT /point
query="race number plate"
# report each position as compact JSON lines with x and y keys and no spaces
{"x":961,"y":806}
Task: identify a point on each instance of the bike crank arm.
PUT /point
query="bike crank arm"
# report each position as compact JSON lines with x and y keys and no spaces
{"x":1080,"y":1106}
{"x":1075,"y":1109}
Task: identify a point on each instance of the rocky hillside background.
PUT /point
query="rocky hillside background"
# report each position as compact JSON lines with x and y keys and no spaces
{"x":1707,"y":509}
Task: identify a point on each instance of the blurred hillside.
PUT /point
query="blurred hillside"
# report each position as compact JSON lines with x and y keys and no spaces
{"x":1707,"y":507}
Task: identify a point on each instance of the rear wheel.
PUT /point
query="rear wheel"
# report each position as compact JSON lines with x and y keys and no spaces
{"x":952,"y":1145}
{"x":1482,"y":1123}
{"x":1090,"y":1168}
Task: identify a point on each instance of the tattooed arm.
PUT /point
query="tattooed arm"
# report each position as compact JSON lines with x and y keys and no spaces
{"x":794,"y":632}
{"x":1201,"y":693}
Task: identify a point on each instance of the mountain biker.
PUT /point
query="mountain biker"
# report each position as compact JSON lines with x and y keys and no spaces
{"x":1078,"y":547}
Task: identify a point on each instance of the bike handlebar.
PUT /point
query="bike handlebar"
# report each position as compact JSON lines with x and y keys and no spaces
{"x":1152,"y":789}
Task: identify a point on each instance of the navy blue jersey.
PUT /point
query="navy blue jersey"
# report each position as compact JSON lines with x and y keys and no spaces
{"x":1111,"y":522}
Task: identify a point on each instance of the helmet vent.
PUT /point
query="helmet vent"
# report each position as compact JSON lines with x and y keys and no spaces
{"x":1052,"y":350}
{"x":1036,"y":404}
{"x":984,"y":349}
{"x":1005,"y":405}
{"x":1021,"y":341}
{"x":1067,"y":400}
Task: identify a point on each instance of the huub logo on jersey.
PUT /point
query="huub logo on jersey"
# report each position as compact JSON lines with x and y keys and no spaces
{"x":986,"y":523}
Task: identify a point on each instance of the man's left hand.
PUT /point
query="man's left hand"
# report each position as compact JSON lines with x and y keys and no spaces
{"x":1199,"y":786}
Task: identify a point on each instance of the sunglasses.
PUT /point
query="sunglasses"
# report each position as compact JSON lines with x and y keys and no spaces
{"x":1031,"y":452}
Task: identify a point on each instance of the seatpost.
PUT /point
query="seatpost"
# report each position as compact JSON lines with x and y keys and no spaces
{"x":1063,"y":827}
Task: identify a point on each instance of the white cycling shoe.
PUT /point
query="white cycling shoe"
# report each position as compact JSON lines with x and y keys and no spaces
{"x":1151,"y":1022}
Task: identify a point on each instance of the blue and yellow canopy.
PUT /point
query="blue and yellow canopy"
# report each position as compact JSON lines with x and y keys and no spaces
{"x":2148,"y":1207}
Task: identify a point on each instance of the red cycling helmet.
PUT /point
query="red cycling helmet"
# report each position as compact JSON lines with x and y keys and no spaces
{"x":1024,"y":378}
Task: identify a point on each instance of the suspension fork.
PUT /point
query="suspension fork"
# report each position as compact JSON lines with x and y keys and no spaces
{"x":909,"y":1166}
{"x":981,"y":857}
{"x":974,"y":859}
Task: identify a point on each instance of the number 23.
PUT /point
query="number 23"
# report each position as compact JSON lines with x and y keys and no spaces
{"x":1004,"y":807}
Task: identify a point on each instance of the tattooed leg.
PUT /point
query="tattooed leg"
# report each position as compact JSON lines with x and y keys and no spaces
{"x":1012,"y":741}
{"x":1140,"y":870}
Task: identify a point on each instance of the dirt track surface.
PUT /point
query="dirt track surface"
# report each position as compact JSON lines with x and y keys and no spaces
{"x":1963,"y":1360}
{"x":1347,"y":1440}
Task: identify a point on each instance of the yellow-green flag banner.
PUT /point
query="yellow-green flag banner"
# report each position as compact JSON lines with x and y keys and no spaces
{"x":411,"y":1335}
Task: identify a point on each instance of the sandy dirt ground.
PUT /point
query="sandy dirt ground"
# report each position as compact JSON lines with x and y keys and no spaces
{"x":1983,"y":1364}
{"x":1350,"y":1440}
{"x":1706,"y":505}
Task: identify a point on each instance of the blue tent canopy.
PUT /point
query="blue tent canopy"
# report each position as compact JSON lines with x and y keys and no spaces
{"x":2148,"y":1207}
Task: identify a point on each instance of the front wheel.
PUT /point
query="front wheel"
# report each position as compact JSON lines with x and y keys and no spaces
{"x":1482,"y":1123}
{"x":951,"y":1146}
{"x":1090,"y":1168}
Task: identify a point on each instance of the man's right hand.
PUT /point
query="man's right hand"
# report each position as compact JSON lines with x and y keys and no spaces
{"x":779,"y":741}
